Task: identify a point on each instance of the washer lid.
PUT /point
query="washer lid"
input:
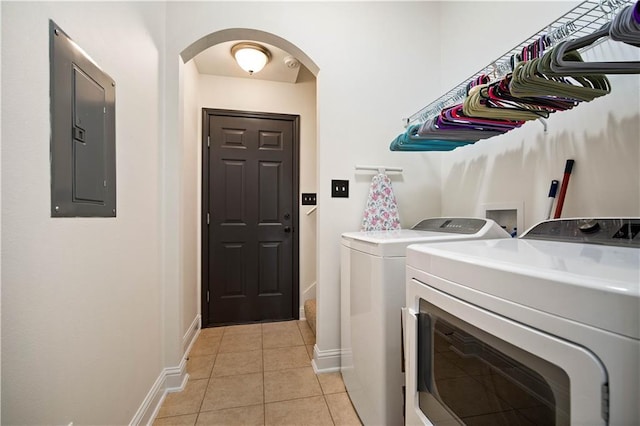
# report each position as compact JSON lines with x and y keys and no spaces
{"x":592,"y":284}
{"x":394,"y":243}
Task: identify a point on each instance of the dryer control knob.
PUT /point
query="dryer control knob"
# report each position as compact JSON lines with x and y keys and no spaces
{"x":588,"y":225}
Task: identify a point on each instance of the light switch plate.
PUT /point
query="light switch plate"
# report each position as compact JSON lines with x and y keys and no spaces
{"x":308,"y":199}
{"x":340,"y":188}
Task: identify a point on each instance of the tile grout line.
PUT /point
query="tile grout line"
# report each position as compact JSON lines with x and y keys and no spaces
{"x":224,"y":330}
{"x":264,"y":391}
{"x":328,"y":409}
{"x":324,"y":395}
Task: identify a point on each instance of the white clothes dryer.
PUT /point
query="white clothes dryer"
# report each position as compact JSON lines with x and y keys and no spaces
{"x":372,"y":294}
{"x":539,"y":330}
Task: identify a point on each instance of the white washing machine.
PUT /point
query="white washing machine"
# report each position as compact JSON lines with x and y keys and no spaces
{"x":372,"y":294}
{"x":539,"y":330}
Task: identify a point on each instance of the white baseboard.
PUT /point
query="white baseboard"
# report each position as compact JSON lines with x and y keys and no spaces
{"x":171,"y":379}
{"x":302,"y":315}
{"x":176,"y":377}
{"x":326,"y":361}
{"x":310,"y":292}
{"x":191,"y":335}
{"x":148,"y":410}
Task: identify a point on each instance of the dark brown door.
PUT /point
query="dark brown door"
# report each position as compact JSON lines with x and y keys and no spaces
{"x":250,"y":217}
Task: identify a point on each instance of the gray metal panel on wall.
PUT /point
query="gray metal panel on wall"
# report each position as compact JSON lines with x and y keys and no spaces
{"x":83,"y":162}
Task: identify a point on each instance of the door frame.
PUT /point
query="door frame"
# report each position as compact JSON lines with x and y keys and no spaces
{"x":295,"y":195}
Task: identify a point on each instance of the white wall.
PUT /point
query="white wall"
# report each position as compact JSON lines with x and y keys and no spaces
{"x":517,"y":168}
{"x":94,"y":309}
{"x":192,"y":131}
{"x":477,"y":32}
{"x":81,"y":298}
{"x":0,"y":222}
{"x":285,"y":98}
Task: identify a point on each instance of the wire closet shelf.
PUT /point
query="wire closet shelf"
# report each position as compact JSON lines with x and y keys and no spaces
{"x":586,"y":18}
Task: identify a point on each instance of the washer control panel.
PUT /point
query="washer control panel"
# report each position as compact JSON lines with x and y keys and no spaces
{"x":608,"y":231}
{"x":451,"y":225}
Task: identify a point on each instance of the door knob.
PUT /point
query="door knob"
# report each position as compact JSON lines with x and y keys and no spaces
{"x":287,"y":229}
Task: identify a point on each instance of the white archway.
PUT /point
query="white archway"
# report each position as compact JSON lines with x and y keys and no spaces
{"x":232,"y":34}
{"x":184,"y":151}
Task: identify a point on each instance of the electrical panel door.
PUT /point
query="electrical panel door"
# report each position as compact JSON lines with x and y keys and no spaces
{"x":83,"y":180}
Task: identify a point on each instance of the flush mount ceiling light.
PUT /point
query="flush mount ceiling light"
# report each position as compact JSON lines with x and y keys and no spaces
{"x":251,"y":56}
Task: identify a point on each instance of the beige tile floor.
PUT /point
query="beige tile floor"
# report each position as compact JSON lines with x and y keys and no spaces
{"x":257,"y":374}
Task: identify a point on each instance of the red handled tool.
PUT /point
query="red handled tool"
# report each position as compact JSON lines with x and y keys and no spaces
{"x":563,"y":189}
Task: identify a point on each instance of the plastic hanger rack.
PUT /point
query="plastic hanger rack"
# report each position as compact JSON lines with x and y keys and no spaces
{"x":586,"y":18}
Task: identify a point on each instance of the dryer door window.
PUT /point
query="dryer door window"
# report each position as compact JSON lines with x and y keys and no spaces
{"x":475,"y":367}
{"x":476,"y":378}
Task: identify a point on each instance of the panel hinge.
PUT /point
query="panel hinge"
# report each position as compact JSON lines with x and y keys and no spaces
{"x":605,"y":402}
{"x":207,"y":218}
{"x":208,"y":141}
{"x":207,"y":296}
